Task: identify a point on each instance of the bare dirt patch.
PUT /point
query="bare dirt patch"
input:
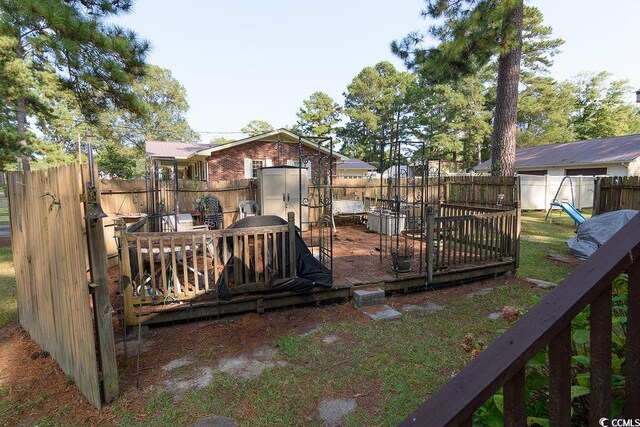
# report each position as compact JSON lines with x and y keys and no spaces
{"x":39,"y":388}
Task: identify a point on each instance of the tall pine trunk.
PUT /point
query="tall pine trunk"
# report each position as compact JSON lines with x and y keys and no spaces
{"x":503,"y":146}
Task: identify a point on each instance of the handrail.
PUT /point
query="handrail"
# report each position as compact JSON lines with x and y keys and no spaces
{"x":549,"y":322}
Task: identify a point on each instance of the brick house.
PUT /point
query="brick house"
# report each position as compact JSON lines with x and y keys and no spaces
{"x":239,"y":159}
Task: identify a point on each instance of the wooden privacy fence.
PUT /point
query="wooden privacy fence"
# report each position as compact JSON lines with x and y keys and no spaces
{"x":612,"y":193}
{"x":120,"y":197}
{"x":51,"y":260}
{"x":481,"y":190}
{"x":160,"y":268}
{"x":548,"y":323}
{"x":466,"y":236}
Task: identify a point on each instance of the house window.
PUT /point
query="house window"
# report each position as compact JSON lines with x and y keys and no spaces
{"x":198,"y":171}
{"x":255,"y":165}
{"x":251,"y":166}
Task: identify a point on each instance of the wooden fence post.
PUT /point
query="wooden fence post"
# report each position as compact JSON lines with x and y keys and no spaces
{"x":102,"y":306}
{"x":516,"y":235}
{"x":596,"y":195}
{"x":292,"y":244}
{"x":430,"y":245}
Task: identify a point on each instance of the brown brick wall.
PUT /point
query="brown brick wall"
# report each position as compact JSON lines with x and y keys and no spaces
{"x":227,"y":165}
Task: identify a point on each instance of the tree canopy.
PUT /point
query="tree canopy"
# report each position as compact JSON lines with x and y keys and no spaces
{"x":256,"y":127}
{"x":471,"y":33}
{"x":74,"y":41}
{"x":376,"y":107}
{"x":318,"y":115}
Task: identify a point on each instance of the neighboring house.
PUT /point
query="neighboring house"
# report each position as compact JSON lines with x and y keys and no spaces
{"x":239,"y":159}
{"x":353,"y":168}
{"x":619,"y":156}
{"x":190,"y":164}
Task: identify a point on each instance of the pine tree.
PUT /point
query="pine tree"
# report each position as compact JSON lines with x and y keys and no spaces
{"x":256,"y":127}
{"x":601,"y":108}
{"x":90,"y":56}
{"x":470,"y":34}
{"x":318,"y":115}
{"x":377,"y":108}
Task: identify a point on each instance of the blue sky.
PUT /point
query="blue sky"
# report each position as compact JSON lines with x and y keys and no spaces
{"x":253,"y":59}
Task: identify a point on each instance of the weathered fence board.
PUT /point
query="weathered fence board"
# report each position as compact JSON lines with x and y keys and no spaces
{"x":469,"y":235}
{"x":162,"y":267}
{"x":612,"y":193}
{"x":50,"y":252}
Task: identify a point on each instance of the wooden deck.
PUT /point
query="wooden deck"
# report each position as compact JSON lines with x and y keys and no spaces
{"x":359,"y":261}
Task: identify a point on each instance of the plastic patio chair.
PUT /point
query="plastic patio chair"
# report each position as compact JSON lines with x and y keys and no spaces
{"x":248,"y":208}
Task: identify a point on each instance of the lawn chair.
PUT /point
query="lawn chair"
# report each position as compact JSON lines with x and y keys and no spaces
{"x":212,"y":213}
{"x":185,"y":223}
{"x":248,"y":208}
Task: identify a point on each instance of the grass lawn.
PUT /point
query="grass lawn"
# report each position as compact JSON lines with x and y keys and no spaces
{"x":4,"y":216}
{"x":8,"y":302}
{"x":539,"y":238}
{"x":388,"y":367}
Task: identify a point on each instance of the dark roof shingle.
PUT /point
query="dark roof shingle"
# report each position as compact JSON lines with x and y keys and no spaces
{"x":354,"y":164}
{"x":619,"y":149}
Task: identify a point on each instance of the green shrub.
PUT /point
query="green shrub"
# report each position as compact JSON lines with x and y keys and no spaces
{"x":537,"y":371}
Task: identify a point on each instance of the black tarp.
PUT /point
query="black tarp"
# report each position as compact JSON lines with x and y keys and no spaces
{"x":310,"y":271}
{"x":594,"y":232}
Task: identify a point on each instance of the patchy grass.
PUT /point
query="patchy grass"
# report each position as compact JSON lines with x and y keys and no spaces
{"x":541,"y":237}
{"x":4,"y":216}
{"x":8,"y":295}
{"x":388,"y":367}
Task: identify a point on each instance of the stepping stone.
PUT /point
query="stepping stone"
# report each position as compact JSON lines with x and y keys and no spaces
{"x":426,"y":308}
{"x":383,"y":312}
{"x":542,"y":284}
{"x":362,"y":298}
{"x":333,"y":411}
{"x":495,"y":316}
{"x":330,"y":339}
{"x":214,"y":422}
{"x":480,"y":292}
{"x":175,"y":364}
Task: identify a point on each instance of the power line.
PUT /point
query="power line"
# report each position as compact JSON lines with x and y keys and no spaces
{"x":77,"y":122}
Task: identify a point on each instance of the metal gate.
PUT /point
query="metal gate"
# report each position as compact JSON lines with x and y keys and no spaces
{"x":319,"y":160}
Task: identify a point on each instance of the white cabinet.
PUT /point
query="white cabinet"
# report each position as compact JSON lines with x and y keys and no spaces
{"x":279,"y":192}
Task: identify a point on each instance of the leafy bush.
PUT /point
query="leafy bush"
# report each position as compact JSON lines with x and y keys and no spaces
{"x":537,"y":371}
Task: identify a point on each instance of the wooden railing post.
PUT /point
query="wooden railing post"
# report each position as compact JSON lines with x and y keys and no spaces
{"x":560,"y":378}
{"x":632,"y":364}
{"x":600,"y":348}
{"x":292,"y":244}
{"x":430,"y":243}
{"x":127,"y":282}
{"x":514,"y":409}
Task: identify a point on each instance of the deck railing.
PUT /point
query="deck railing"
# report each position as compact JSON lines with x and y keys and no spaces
{"x":160,"y":268}
{"x":549,"y":324}
{"x":466,"y":235}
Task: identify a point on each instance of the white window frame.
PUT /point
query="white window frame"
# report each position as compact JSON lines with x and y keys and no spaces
{"x":296,"y":163}
{"x":251,"y":166}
